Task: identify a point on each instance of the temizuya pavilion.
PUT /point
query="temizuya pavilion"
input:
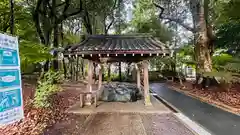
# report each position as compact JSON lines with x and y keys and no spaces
{"x":119,"y":48}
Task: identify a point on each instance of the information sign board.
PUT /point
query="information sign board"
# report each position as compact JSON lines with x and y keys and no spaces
{"x":11,"y":103}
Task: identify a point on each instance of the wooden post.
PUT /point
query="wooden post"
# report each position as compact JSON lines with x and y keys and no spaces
{"x":109,"y":73}
{"x":64,"y":68}
{"x":120,"y":71}
{"x":138,"y":77}
{"x":77,"y":70}
{"x":100,"y":77}
{"x":82,"y":69}
{"x":89,"y":85}
{"x":146,"y":84}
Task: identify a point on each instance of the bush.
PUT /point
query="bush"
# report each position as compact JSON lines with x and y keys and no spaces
{"x":47,"y":86}
{"x":155,"y":76}
{"x":224,"y":79}
{"x":173,"y":74}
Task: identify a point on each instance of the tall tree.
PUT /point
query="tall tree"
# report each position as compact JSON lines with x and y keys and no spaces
{"x":202,"y":28}
{"x":99,"y":16}
{"x":49,"y":14}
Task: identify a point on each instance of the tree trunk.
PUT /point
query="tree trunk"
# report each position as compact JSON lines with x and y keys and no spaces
{"x":12,"y":16}
{"x":55,"y":35}
{"x":55,"y":44}
{"x":199,"y":9}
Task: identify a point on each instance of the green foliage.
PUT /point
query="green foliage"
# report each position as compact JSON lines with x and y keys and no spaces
{"x":31,"y":54}
{"x":145,"y":20}
{"x":228,"y":24}
{"x":115,"y":77}
{"x":185,"y":55}
{"x":228,"y":69}
{"x":70,"y":39}
{"x":232,"y":67}
{"x":227,"y":10}
{"x":228,"y":35}
{"x":47,"y":86}
{"x":24,"y":26}
{"x":221,"y":60}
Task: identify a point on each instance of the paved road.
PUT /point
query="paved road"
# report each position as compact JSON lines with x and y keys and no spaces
{"x":215,"y":120}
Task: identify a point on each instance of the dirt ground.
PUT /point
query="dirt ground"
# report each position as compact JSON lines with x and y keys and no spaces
{"x":36,"y":121}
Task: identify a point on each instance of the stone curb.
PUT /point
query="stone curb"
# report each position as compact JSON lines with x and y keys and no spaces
{"x":193,"y":126}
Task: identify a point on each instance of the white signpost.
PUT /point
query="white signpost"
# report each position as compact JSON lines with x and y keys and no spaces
{"x":11,"y":103}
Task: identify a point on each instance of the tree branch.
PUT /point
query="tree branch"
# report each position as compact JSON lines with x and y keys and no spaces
{"x":37,"y":21}
{"x":87,"y":23}
{"x":65,"y":15}
{"x":86,"y":20}
{"x":109,"y":26}
{"x":67,"y":4}
{"x":180,"y":22}
{"x":6,"y":27}
{"x":61,"y":4}
{"x":172,"y":19}
{"x":113,"y":19}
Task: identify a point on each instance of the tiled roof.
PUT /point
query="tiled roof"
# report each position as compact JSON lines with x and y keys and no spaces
{"x":119,"y":44}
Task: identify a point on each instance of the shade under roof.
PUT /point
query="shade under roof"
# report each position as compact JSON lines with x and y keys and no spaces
{"x":119,"y":44}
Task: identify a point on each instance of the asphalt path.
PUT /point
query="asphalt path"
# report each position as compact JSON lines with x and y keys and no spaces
{"x":215,"y":120}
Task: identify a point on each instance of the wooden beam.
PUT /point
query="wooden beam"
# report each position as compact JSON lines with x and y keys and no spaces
{"x":147,"y":101}
{"x":122,"y":58}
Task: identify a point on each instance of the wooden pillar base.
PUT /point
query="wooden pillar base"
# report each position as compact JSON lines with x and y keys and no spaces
{"x":147,"y":101}
{"x":88,"y":100}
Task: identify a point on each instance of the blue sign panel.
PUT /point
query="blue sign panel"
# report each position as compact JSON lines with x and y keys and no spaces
{"x":10,"y":99}
{"x":11,"y":106}
{"x":9,"y":78}
{"x":8,"y":57}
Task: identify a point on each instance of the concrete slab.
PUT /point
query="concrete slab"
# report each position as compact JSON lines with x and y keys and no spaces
{"x":164,"y":124}
{"x":128,"y":107}
{"x":115,"y":124}
{"x":120,"y":124}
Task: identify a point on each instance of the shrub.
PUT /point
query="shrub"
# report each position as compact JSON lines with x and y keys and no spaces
{"x":47,"y":86}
